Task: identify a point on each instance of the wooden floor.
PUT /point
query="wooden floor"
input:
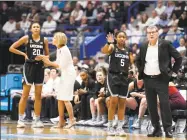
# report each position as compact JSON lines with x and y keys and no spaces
{"x":10,"y":132}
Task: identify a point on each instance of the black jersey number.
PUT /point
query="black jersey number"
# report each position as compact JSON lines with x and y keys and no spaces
{"x":36,"y":51}
{"x":122,"y":62}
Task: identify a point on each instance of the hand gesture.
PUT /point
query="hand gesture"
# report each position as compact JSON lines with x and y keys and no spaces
{"x":26,"y":57}
{"x":110,"y":38}
{"x":40,"y":57}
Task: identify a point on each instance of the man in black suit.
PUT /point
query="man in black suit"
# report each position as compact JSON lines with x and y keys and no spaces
{"x":155,"y":68}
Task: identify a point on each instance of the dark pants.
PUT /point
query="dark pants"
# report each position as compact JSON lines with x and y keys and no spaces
{"x":85,"y":106}
{"x":51,"y":109}
{"x":15,"y":105}
{"x":30,"y":107}
{"x":153,"y":87}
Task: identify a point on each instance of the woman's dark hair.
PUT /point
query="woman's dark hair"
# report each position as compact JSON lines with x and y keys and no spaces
{"x":34,"y":23}
{"x":116,"y":34}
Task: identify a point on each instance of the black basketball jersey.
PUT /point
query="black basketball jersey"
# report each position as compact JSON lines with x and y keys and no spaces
{"x":34,"y":48}
{"x":136,"y":89}
{"x":119,"y":60}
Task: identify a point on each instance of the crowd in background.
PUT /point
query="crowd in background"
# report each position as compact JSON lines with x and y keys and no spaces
{"x":169,"y":16}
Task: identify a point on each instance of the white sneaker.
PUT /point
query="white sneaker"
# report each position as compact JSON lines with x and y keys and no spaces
{"x":37,"y":124}
{"x":137,"y":124}
{"x":115,"y":123}
{"x":20,"y":124}
{"x":111,"y":131}
{"x":120,"y":132}
{"x":81,"y":122}
{"x":106,"y":124}
{"x":55,"y":120}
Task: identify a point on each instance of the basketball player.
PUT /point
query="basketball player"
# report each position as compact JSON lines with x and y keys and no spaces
{"x":33,"y":70}
{"x":117,"y":80}
{"x":68,"y":75}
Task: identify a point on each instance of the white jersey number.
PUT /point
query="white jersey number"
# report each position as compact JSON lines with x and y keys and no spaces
{"x":122,"y":62}
{"x":36,"y":51}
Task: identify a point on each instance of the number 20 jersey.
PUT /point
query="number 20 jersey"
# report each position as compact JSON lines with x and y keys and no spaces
{"x":119,"y":60}
{"x":34,"y":48}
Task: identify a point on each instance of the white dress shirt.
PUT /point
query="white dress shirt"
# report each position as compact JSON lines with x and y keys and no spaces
{"x":152,"y":63}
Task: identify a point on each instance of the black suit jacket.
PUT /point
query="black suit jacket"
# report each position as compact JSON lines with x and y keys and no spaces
{"x":165,"y":52}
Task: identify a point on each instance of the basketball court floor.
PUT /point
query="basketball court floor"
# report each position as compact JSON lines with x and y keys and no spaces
{"x":10,"y":132}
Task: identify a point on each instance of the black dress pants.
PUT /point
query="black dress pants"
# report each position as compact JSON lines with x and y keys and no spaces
{"x":85,"y":107}
{"x":153,"y":87}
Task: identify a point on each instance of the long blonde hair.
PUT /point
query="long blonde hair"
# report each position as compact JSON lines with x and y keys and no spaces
{"x":61,"y":39}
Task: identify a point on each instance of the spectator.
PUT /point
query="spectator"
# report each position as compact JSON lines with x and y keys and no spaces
{"x":136,"y":99}
{"x":25,"y":24}
{"x":142,"y":24}
{"x":86,"y":91}
{"x":77,"y":13}
{"x":136,"y":35}
{"x":66,"y":12}
{"x":71,"y":27}
{"x":125,"y":29}
{"x":179,"y":8}
{"x":183,"y":20}
{"x":47,"y":4}
{"x":104,"y":10}
{"x":55,"y":13}
{"x":173,"y":34}
{"x":84,"y":25}
{"x":99,"y":20}
{"x":173,"y":20}
{"x":99,"y":94}
{"x":49,"y":26}
{"x":182,"y":45}
{"x":76,"y":61}
{"x":163,"y":21}
{"x":101,"y":62}
{"x":33,"y":16}
{"x":160,"y":7}
{"x":18,"y":32}
{"x":9,"y":26}
{"x":43,"y":14}
{"x":90,"y":12}
{"x":153,"y":20}
{"x":53,"y":81}
{"x":92,"y":63}
{"x":4,"y":13}
{"x":132,"y":24}
{"x":135,"y":50}
{"x":169,"y":8}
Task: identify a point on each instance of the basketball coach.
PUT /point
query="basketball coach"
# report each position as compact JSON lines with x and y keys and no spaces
{"x":155,"y":68}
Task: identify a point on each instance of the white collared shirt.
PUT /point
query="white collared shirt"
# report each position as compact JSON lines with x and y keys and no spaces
{"x":152,"y":63}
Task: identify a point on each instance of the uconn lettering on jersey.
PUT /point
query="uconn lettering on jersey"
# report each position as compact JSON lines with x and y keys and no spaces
{"x":36,"y":46}
{"x":121,"y":55}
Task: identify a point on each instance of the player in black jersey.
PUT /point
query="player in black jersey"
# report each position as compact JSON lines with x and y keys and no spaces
{"x":33,"y":70}
{"x":117,"y":79}
{"x":136,"y":100}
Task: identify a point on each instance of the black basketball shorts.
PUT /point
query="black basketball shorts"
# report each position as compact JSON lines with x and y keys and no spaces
{"x":33,"y":72}
{"x":117,"y":84}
